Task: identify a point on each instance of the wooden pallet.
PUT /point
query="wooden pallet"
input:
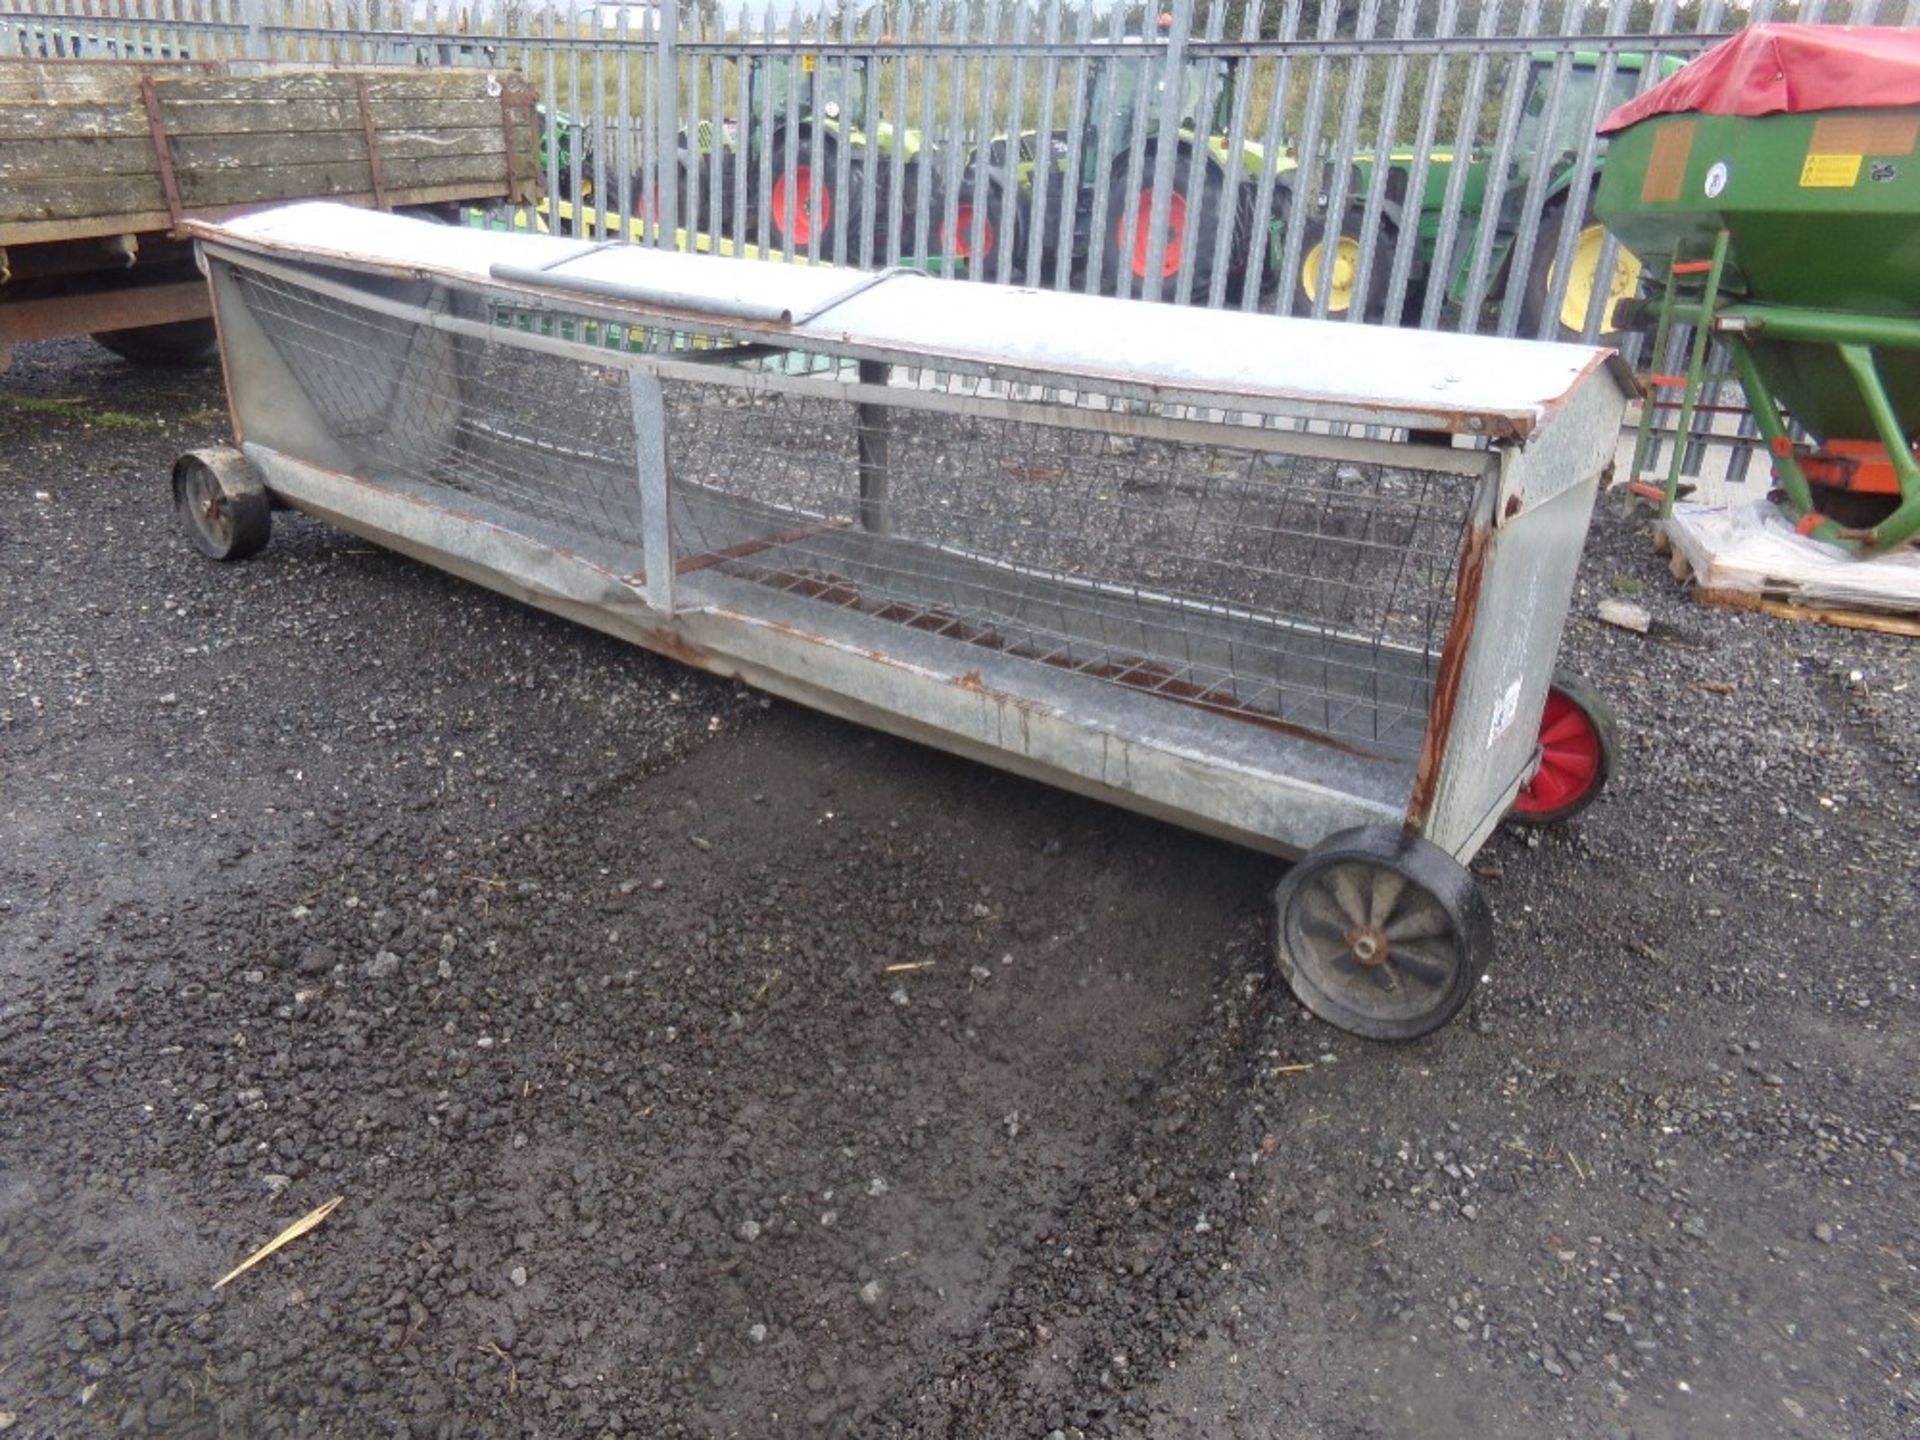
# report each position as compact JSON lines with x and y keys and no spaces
{"x":1754,"y":561}
{"x":1789,"y":609}
{"x":91,"y":148}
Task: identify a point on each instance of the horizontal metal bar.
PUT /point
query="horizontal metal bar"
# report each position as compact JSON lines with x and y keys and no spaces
{"x":1833,"y":327}
{"x":1197,"y":49}
{"x":126,"y":307}
{"x":546,"y":278}
{"x":549,"y":276}
{"x":1468,"y":463}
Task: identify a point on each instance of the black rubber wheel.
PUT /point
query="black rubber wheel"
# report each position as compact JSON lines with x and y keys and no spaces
{"x":1349,"y":268}
{"x":1578,"y":743}
{"x":1622,"y":286}
{"x":564,"y":179}
{"x":221,"y":501}
{"x":177,"y":345}
{"x":644,"y":205}
{"x":717,"y":217}
{"x":1123,"y":261}
{"x":812,"y":210}
{"x":1382,"y":933}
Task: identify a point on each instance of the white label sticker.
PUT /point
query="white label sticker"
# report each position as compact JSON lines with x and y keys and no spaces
{"x":1503,"y":713}
{"x":1716,"y":179}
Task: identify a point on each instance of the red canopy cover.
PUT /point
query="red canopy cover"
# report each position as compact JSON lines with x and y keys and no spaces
{"x":1774,"y":69}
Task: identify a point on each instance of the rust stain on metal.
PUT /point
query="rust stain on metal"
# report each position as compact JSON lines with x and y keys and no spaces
{"x":1513,"y":506}
{"x":1446,"y":684}
{"x":1135,"y":673}
{"x":754,"y":547}
{"x":162,"y":149}
{"x":376,"y":170}
{"x":674,"y":646}
{"x":516,"y":105}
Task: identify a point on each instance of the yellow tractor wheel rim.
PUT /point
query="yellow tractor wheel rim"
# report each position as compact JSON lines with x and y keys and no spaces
{"x":1346,"y":265}
{"x":1623,"y":284}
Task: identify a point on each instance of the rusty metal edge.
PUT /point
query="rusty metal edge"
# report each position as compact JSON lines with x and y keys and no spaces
{"x":162,"y":150}
{"x":665,"y":637}
{"x":376,"y":170}
{"x":516,"y":105}
{"x":1453,"y":664}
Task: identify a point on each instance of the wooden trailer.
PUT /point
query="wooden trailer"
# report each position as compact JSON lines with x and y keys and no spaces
{"x":102,"y":161}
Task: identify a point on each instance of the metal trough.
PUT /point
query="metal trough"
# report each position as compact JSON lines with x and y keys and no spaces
{"x":1116,"y":547}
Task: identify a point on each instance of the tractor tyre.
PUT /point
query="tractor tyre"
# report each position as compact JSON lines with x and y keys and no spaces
{"x":1123,"y":264}
{"x":809,"y":211}
{"x":982,"y":206}
{"x":1589,"y":242}
{"x":1322,"y":245}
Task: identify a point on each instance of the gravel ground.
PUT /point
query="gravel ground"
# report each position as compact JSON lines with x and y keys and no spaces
{"x":578,"y":976}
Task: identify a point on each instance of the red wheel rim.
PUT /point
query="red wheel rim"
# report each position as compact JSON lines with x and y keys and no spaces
{"x":798,"y":224}
{"x":958,"y":244}
{"x":1570,"y":756}
{"x":1141,"y":225}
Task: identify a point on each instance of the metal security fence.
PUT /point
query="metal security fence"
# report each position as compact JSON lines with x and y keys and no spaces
{"x":1426,"y":164}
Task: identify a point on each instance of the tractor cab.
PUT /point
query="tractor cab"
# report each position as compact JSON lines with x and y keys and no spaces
{"x":1562,"y":132}
{"x":1099,"y":182}
{"x":804,"y":88}
{"x":1117,"y":86}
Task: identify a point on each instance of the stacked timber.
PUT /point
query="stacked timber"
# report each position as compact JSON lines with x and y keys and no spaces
{"x":91,"y":148}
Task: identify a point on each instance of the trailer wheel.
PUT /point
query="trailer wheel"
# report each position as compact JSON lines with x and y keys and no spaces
{"x":1577,"y":745}
{"x":174,"y":346}
{"x":222,"y":503}
{"x":1382,"y":933}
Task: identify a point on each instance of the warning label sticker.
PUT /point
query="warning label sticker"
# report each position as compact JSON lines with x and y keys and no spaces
{"x":1667,"y":166}
{"x":1829,"y":172}
{"x":1864,"y":135}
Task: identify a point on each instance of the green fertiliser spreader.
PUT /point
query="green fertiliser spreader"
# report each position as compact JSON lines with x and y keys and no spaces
{"x":1772,"y":187}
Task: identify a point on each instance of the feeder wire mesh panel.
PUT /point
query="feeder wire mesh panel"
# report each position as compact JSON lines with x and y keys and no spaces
{"x":1307,"y":594}
{"x":544,"y":438}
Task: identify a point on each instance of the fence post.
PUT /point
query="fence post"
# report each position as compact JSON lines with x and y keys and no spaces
{"x":667,"y":124}
{"x":253,"y":14}
{"x":1166,"y":146}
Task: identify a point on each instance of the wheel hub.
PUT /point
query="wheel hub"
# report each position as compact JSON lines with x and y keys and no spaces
{"x":213,"y":511}
{"x":1370,"y":947}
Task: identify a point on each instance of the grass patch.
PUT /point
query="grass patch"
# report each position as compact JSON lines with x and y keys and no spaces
{"x":71,"y":409}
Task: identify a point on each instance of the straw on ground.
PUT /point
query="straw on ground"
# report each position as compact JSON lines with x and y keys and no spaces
{"x":285,"y":1237}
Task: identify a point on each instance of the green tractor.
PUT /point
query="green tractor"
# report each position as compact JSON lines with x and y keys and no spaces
{"x":1331,"y":258}
{"x":818,"y":107}
{"x":560,"y":135}
{"x":1224,"y":192}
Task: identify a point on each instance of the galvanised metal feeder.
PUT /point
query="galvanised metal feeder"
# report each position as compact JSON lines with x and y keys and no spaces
{"x":1297,"y":584}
